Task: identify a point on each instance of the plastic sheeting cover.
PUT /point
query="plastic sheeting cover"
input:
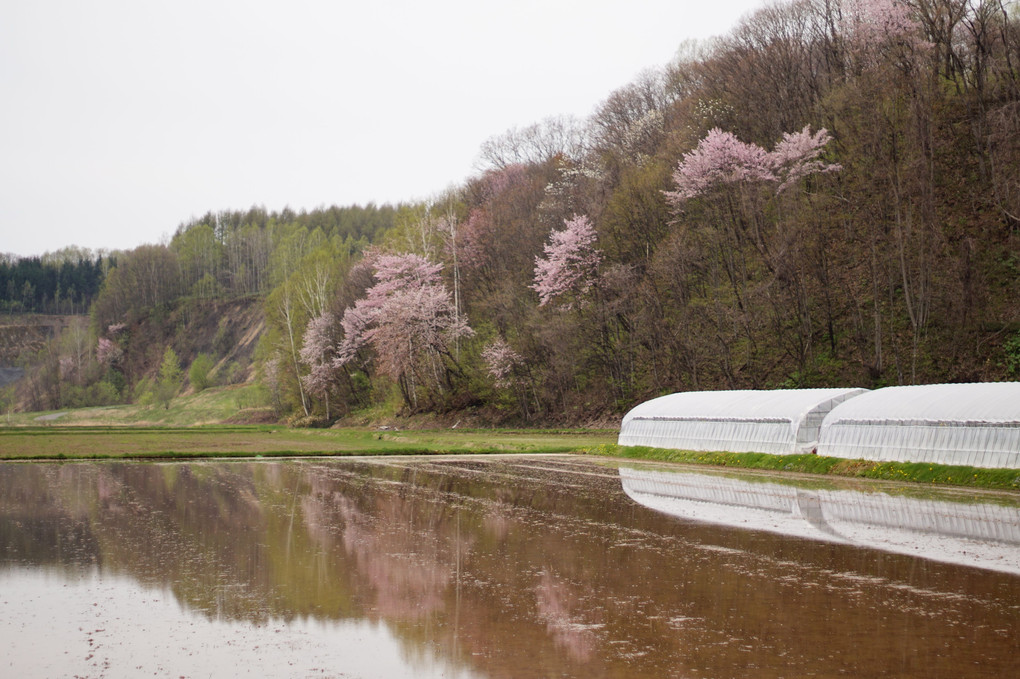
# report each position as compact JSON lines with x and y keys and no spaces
{"x":779,"y":421}
{"x":957,"y":424}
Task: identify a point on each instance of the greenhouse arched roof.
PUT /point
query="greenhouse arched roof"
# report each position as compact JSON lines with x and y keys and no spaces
{"x":776,"y":421}
{"x":961,"y":424}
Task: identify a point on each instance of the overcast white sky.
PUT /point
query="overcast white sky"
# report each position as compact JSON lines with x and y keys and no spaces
{"x":120,"y":119}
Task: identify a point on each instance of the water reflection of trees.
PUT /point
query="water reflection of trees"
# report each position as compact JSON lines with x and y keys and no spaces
{"x":487,"y":563}
{"x":560,"y":607}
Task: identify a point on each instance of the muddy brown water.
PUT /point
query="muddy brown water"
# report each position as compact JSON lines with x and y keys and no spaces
{"x":487,"y":567}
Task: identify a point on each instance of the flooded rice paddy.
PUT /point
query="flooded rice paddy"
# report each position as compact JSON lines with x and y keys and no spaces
{"x":497,"y":567}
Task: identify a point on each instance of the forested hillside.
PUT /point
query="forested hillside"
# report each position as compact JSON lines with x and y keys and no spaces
{"x":827,"y":196}
{"x":63,"y":282}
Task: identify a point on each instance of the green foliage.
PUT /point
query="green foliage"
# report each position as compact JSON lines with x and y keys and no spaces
{"x":65,"y":282}
{"x":223,"y":342}
{"x":105,"y":393}
{"x":199,"y":372}
{"x":115,"y":378}
{"x":95,"y":394}
{"x":233,"y":373}
{"x":170,"y":378}
{"x":7,"y":401}
{"x":636,"y":216}
{"x":144,"y":392}
{"x":1011,"y":349}
{"x":207,"y":287}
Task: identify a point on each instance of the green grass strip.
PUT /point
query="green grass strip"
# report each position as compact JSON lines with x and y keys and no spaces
{"x":240,"y":441}
{"x":101,"y":443}
{"x":915,"y":472}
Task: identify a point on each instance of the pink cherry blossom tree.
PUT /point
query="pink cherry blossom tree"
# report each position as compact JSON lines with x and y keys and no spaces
{"x":570,"y":265}
{"x":509,"y":371}
{"x":318,"y":352}
{"x":720,"y":158}
{"x":272,"y":379}
{"x":872,"y":21}
{"x":797,"y":155}
{"x":888,"y":31}
{"x":108,"y":353}
{"x":747,"y":193}
{"x":67,"y":367}
{"x":409,"y":321}
{"x":475,"y":234}
{"x":501,"y":363}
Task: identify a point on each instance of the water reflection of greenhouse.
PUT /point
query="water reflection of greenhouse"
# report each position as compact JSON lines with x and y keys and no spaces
{"x":956,"y":424}
{"x":970,"y":532}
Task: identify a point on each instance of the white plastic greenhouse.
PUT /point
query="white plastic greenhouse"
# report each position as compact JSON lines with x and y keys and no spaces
{"x":959,"y":424}
{"x":780,"y":421}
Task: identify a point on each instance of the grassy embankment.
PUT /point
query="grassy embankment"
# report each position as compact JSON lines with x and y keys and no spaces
{"x":193,"y":427}
{"x":199,"y":426}
{"x":213,"y":406}
{"x":916,"y":472}
{"x":38,"y":443}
